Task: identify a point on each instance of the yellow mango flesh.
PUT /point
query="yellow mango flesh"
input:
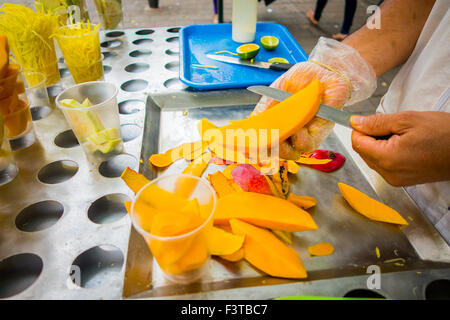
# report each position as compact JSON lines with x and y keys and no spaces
{"x":169,"y":214}
{"x":264,"y":211}
{"x":234,"y":257}
{"x":321,"y":249}
{"x":167,"y":253}
{"x":266,"y":252}
{"x":304,"y":202}
{"x":221,"y":184}
{"x":134,"y":180}
{"x":185,"y":186}
{"x":194,"y":258}
{"x":221,"y":242}
{"x":369,"y":207}
{"x":311,"y":161}
{"x":4,"y":55}
{"x":287,"y":117}
{"x":189,"y":151}
{"x":191,"y":209}
{"x":171,"y":224}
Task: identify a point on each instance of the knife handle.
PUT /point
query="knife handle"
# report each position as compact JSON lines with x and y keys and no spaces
{"x":277,"y":66}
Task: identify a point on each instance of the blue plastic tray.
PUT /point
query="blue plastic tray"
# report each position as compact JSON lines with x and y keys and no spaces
{"x":198,"y":40}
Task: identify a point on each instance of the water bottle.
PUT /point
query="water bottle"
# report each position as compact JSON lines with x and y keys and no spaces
{"x":244,"y":20}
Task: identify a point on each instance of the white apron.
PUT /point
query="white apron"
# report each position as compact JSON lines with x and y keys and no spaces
{"x":423,"y":84}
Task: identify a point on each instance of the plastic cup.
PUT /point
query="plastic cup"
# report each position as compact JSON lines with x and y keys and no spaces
{"x":86,"y":73}
{"x":8,"y":169}
{"x":75,"y":10}
{"x":182,"y":258}
{"x":15,"y":109}
{"x":82,"y":55}
{"x":110,"y":13}
{"x":97,"y":127}
{"x":38,"y":93}
{"x":50,"y":71}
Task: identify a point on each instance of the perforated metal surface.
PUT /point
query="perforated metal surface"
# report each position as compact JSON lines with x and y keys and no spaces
{"x":64,"y":213}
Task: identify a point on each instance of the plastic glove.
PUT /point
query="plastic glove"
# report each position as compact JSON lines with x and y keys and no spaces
{"x":346,"y":77}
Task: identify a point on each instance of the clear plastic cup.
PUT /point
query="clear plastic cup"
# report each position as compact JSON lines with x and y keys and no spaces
{"x":110,"y":13}
{"x":182,"y":258}
{"x":97,"y":127}
{"x":15,"y":109}
{"x":38,"y":93}
{"x":8,"y":169}
{"x":50,"y":71}
{"x":68,"y":11}
{"x":84,"y":73}
{"x":82,"y":55}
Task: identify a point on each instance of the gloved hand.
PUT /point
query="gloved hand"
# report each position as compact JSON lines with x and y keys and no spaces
{"x":346,"y":77}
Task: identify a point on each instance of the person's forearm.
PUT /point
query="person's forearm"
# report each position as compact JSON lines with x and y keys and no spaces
{"x":401,"y":24}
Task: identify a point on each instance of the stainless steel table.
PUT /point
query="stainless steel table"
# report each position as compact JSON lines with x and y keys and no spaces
{"x":62,"y":220}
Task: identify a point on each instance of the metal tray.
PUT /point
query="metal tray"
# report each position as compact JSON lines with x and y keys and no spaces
{"x":171,"y":119}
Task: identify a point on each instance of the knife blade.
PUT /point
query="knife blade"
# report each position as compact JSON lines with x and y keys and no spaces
{"x":256,"y":64}
{"x":325,"y":112}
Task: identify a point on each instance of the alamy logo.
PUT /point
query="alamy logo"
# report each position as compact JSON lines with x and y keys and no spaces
{"x":374,"y":21}
{"x":75,"y":274}
{"x":252,"y":146}
{"x":374,"y":280}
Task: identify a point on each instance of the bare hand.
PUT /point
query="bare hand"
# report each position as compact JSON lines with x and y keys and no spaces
{"x":418,"y":152}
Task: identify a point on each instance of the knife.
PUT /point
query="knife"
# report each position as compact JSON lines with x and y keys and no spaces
{"x":325,"y":112}
{"x":257,"y":64}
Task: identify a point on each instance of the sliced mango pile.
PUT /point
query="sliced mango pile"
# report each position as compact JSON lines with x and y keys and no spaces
{"x":255,"y":213}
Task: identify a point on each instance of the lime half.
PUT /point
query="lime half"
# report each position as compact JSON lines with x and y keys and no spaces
{"x":277,"y":60}
{"x":248,"y":51}
{"x":269,"y":42}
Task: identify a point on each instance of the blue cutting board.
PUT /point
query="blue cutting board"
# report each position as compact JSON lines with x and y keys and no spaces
{"x":196,"y":41}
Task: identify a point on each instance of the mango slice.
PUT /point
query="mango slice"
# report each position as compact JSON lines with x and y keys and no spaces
{"x":321,"y":249}
{"x":185,"y":187}
{"x":221,"y":242}
{"x":227,"y":171}
{"x":189,"y":151}
{"x":369,"y":207}
{"x":304,"y":202}
{"x":310,"y":161}
{"x":191,"y":209}
{"x":264,"y":211}
{"x":301,"y":108}
{"x":292,"y":166}
{"x":221,"y":184}
{"x":267,"y":253}
{"x":171,"y":224}
{"x":194,"y":258}
{"x":4,"y":55}
{"x":134,"y":180}
{"x":127,"y":205}
{"x":234,"y":257}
